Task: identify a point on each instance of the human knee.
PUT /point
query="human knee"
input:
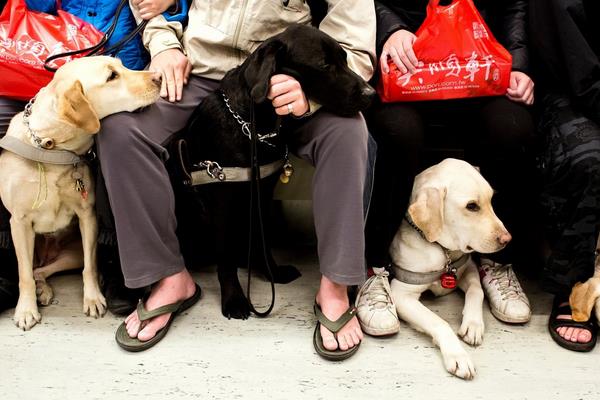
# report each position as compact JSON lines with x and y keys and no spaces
{"x":117,"y":136}
{"x":398,"y":125}
{"x":349,"y":136}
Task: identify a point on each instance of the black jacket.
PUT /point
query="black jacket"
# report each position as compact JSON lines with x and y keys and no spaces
{"x":506,"y":19}
{"x":565,"y":38}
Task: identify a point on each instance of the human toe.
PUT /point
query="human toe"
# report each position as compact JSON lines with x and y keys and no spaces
{"x":329,"y":341}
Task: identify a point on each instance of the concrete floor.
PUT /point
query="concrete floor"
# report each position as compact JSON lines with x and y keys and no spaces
{"x":70,"y":356}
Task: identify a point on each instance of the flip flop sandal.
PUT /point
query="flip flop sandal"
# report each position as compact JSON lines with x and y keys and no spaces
{"x":555,"y":323}
{"x":334,"y":327}
{"x":134,"y":344}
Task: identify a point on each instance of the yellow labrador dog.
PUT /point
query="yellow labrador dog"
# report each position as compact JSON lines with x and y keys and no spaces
{"x":450,"y":215}
{"x":44,"y":197}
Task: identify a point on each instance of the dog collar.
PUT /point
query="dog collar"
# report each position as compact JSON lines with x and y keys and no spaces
{"x":447,"y":275}
{"x":246,"y":125}
{"x":425,"y":278}
{"x":26,"y":114}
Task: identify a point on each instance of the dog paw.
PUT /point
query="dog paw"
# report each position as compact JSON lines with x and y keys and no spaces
{"x":94,"y":306}
{"x":471,"y":332}
{"x":44,"y":292}
{"x":235,"y":306}
{"x":25,"y":318}
{"x":457,"y":361}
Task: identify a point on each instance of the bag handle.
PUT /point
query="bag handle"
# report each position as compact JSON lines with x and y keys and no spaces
{"x":436,"y":3}
{"x":96,"y":49}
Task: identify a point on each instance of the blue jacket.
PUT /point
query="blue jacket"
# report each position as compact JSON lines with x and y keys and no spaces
{"x":100,"y":13}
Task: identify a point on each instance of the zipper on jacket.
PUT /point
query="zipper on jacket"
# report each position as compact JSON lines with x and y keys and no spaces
{"x":238,"y":27}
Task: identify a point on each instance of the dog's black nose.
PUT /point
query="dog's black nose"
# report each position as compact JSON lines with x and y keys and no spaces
{"x":368,"y":91}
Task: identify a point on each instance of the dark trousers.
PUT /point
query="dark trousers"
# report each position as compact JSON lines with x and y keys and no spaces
{"x":496,"y":135}
{"x":8,"y":109}
{"x":571,"y":193}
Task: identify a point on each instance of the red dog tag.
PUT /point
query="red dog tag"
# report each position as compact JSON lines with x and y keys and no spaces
{"x":448,"y":280}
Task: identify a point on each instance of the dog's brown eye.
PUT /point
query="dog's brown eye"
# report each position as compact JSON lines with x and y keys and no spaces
{"x":472,"y":206}
{"x":113,"y":76}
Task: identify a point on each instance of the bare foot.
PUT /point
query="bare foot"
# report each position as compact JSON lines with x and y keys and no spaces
{"x":171,"y":289}
{"x":333,"y":299}
{"x":573,"y":334}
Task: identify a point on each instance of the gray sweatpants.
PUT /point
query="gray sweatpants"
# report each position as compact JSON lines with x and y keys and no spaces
{"x":131,"y":149}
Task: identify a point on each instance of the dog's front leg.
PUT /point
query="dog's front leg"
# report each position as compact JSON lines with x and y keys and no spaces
{"x":94,"y":303}
{"x":26,"y":313}
{"x":456,"y":360}
{"x":472,"y":327}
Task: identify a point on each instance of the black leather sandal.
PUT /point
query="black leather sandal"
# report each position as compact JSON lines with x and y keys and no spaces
{"x":554,"y":323}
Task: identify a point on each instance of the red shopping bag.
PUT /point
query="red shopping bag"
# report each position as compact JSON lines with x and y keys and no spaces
{"x":458,"y":57}
{"x":28,"y":37}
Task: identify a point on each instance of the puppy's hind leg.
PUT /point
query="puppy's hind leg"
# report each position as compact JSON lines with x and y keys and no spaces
{"x":26,"y":313}
{"x":94,"y":303}
{"x":70,"y":257}
{"x":456,"y":360}
{"x":472,"y":327}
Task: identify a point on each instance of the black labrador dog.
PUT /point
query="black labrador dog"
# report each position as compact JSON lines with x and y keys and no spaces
{"x":214,"y":134}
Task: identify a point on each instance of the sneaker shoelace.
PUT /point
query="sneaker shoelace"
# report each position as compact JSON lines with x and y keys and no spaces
{"x":506,"y":281}
{"x":379,"y":292}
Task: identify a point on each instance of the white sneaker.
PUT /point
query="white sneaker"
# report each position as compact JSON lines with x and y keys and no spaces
{"x":376,"y":308}
{"x":505,"y":296}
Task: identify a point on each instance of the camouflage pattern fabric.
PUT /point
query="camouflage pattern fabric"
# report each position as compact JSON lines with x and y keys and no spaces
{"x":570,"y":165}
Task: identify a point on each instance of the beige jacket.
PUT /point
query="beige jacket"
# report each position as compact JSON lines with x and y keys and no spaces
{"x":221,"y":33}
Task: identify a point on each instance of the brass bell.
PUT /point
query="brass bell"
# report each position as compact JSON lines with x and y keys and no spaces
{"x":284,"y":178}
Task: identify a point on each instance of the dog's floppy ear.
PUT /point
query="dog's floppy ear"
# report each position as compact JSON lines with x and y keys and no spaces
{"x":75,"y":109}
{"x":427,"y":212}
{"x":583,"y":298}
{"x":260,"y":67}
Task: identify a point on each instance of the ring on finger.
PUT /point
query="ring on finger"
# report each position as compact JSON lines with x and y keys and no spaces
{"x":290,"y":108}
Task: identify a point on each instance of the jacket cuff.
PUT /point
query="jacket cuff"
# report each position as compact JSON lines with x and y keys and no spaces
{"x":520,"y":61}
{"x":313,"y":107}
{"x":382,"y":37}
{"x":163,"y":40}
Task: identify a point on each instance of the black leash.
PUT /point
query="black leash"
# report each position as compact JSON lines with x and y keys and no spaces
{"x":96,"y":49}
{"x":255,"y":190}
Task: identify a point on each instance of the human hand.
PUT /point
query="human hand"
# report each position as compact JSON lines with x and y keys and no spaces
{"x":287,"y":96}
{"x":520,"y":88}
{"x":174,"y":68}
{"x":151,"y":8}
{"x":399,"y":47}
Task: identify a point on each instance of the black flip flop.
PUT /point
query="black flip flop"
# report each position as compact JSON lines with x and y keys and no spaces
{"x":134,"y":344}
{"x":555,"y":323}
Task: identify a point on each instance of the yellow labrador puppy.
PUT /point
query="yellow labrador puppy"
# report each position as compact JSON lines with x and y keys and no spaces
{"x":42,"y":197}
{"x":450,"y":215}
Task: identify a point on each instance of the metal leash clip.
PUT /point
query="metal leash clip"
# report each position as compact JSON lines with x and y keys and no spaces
{"x":213,"y":169}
